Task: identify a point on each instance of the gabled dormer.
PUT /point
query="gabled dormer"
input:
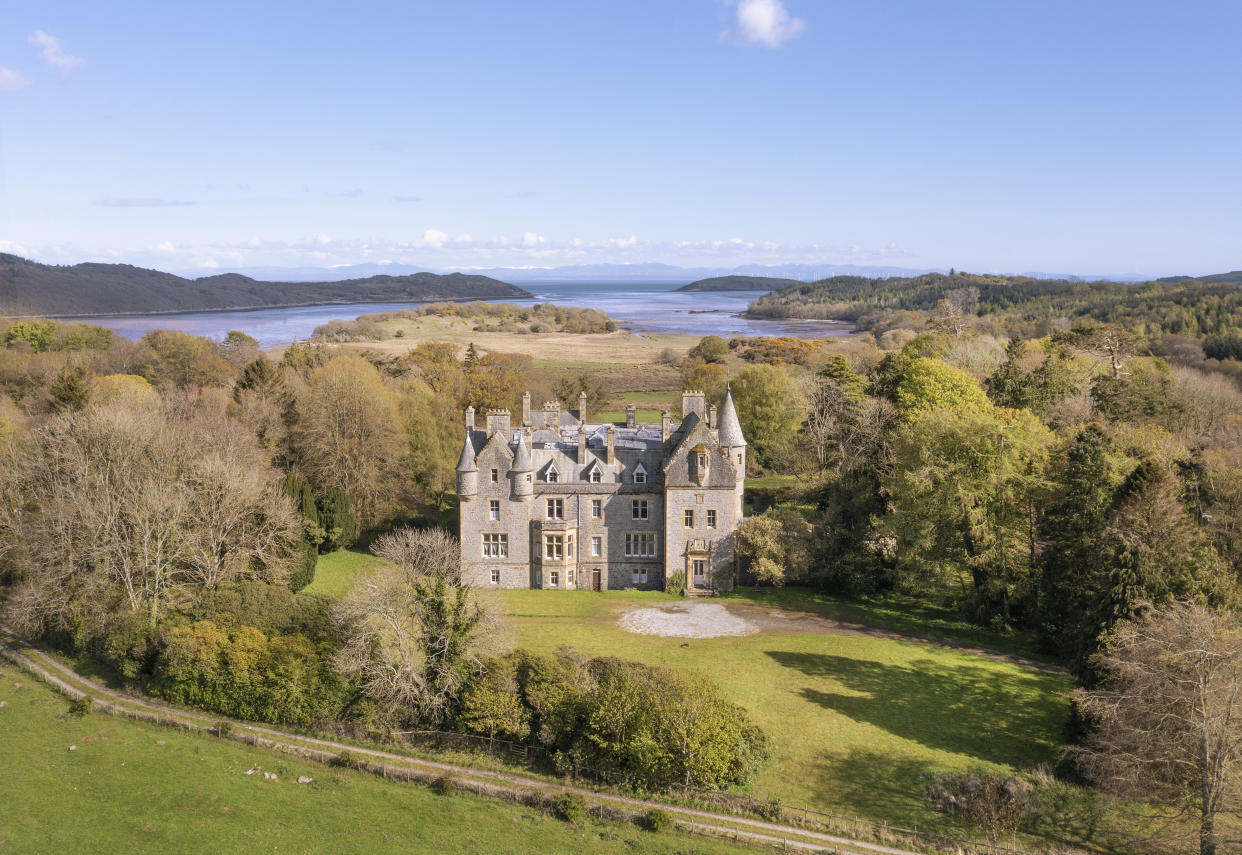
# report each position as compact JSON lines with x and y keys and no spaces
{"x":593,"y":472}
{"x":551,"y":474}
{"x":639,"y":474}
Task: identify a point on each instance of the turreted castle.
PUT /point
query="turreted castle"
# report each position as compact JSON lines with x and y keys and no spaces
{"x":558,"y":502}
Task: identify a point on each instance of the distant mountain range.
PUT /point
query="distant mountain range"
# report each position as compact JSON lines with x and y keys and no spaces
{"x":640,"y":272}
{"x":30,"y":288}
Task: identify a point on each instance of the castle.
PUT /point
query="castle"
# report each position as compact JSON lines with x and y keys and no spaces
{"x":559,"y":503}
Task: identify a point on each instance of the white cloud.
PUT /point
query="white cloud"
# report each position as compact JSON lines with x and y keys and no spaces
{"x":435,"y":238}
{"x":13,"y":81}
{"x":54,"y":54}
{"x":767,"y":22}
{"x":531,"y":240}
{"x":130,"y":202}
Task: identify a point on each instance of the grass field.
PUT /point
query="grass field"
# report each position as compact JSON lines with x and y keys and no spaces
{"x":853,"y":721}
{"x":337,"y":572}
{"x":136,"y":787}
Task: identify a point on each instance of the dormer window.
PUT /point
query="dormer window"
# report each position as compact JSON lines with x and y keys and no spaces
{"x":593,"y":473}
{"x":700,"y":460}
{"x":640,"y":474}
{"x":596,"y":476}
{"x":553,"y":476}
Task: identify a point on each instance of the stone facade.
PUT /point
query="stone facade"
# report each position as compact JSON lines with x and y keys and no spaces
{"x":559,"y":502}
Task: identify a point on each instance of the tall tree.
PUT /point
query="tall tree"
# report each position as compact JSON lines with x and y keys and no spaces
{"x":1168,"y":715}
{"x":348,"y":436}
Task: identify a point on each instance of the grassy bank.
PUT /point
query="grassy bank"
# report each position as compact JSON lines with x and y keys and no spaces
{"x":134,"y":787}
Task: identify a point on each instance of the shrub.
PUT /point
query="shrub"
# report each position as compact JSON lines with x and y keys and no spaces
{"x":657,"y":820}
{"x":82,"y":706}
{"x":992,"y":801}
{"x":345,"y":759}
{"x":446,"y":785}
{"x":223,"y":728}
{"x":569,"y":807}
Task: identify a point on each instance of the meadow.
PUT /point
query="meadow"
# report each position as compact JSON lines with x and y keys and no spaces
{"x":854,"y":721}
{"x":136,"y":787}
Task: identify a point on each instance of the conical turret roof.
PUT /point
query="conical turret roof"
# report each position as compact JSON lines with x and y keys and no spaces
{"x":521,"y":457}
{"x":730,"y":431}
{"x":466,"y":463}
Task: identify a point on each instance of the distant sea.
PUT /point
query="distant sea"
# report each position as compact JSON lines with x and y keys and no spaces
{"x":641,"y":307}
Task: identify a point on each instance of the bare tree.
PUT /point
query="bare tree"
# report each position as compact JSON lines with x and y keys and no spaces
{"x":123,"y":507}
{"x":415,"y":633}
{"x":1169,"y":715}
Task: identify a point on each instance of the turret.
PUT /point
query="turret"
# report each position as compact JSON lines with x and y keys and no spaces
{"x":693,"y":401}
{"x":498,"y":423}
{"x":467,"y":471}
{"x":520,"y":481}
{"x":732,"y":443}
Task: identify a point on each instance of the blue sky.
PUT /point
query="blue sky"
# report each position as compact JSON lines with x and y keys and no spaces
{"x":1083,"y":137}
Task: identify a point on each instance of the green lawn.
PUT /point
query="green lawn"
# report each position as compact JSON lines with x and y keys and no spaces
{"x":136,"y":787}
{"x":853,"y":721}
{"x":337,"y":572}
{"x":897,"y":612}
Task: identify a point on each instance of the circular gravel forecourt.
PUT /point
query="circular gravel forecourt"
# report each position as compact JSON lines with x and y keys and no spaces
{"x":686,"y":620}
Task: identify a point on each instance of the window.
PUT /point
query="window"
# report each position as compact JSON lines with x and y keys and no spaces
{"x":569,"y":546}
{"x":569,"y":577}
{"x":596,"y":475}
{"x":689,"y":520}
{"x":556,"y":509}
{"x":640,"y":475}
{"x":640,"y":544}
{"x":739,"y":457}
{"x":711,"y":518}
{"x":640,"y":577}
{"x":554,"y":578}
{"x":553,"y":475}
{"x":493,"y":509}
{"x":640,"y":509}
{"x":554,"y":547}
{"x":597,"y":547}
{"x":495,"y":577}
{"x":700,"y":460}
{"x":495,"y":476}
{"x":495,"y":545}
{"x":597,"y":508}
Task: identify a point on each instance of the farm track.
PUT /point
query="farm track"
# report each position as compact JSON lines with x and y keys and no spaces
{"x":719,"y":825}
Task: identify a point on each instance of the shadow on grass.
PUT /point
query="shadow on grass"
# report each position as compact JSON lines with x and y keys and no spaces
{"x":996,"y":715}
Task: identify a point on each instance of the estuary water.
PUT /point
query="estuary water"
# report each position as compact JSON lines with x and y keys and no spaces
{"x":641,"y":307}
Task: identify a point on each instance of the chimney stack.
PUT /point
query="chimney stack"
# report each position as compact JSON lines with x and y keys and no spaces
{"x":470,"y":418}
{"x":612,"y":446}
{"x":526,"y":408}
{"x":631,"y":415}
{"x":581,"y":443}
{"x":711,"y":417}
{"x":666,"y":426}
{"x":582,"y":414}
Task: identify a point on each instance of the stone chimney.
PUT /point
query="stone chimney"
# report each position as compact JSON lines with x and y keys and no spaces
{"x":631,"y":415}
{"x":711,"y":417}
{"x":552,"y":415}
{"x":498,"y":423}
{"x":470,"y":418}
{"x":526,"y":408}
{"x":666,"y":426}
{"x":582,"y":413}
{"x":693,"y":401}
{"x":612,"y":446}
{"x":581,"y":443}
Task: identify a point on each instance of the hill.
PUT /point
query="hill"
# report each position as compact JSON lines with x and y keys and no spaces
{"x":740,"y":283}
{"x":30,"y":288}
